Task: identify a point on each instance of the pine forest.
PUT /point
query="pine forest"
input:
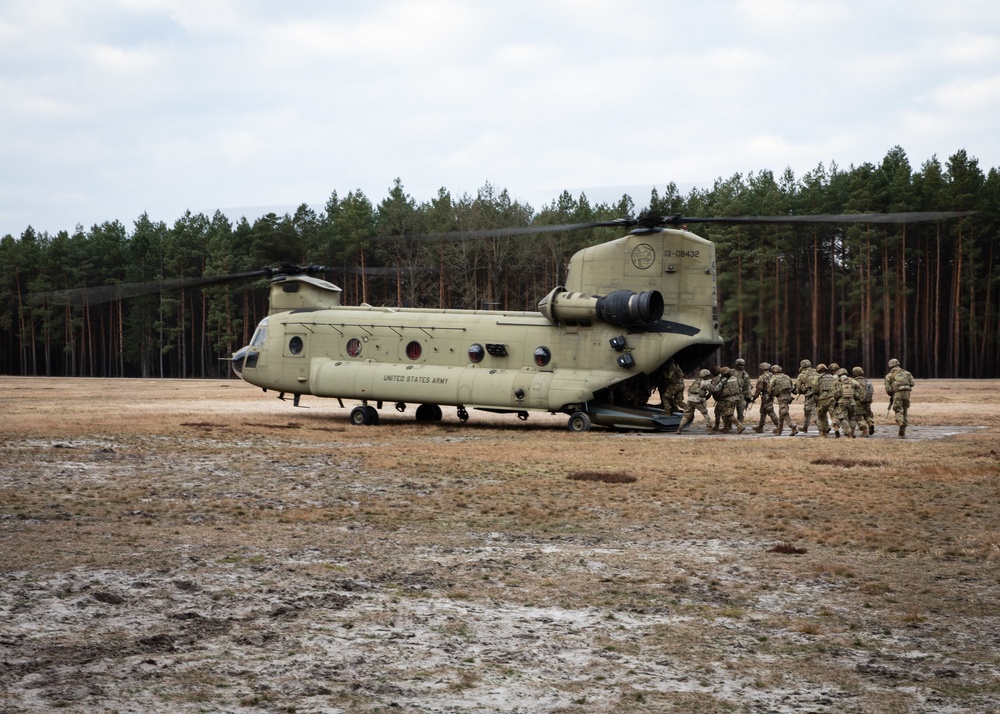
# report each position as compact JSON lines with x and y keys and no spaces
{"x":925,"y":293}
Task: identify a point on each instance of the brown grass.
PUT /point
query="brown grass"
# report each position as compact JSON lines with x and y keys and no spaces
{"x":670,"y":548}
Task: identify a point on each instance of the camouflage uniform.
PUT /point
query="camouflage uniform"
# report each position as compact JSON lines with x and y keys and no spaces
{"x":824,"y":399}
{"x":805,"y":384}
{"x":671,"y":387}
{"x":697,"y":396}
{"x":863,"y":402}
{"x":716,"y":377}
{"x":898,"y":384}
{"x":745,"y":389}
{"x":766,"y":400}
{"x":844,"y":408}
{"x":727,"y":396}
{"x":780,"y":389}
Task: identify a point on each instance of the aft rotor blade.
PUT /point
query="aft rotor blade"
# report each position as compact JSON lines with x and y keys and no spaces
{"x":481,"y":233}
{"x":911,"y":217}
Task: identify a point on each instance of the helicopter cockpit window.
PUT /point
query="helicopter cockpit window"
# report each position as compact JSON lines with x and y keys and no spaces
{"x":542,"y":356}
{"x":476,"y":353}
{"x":295,"y":345}
{"x":260,"y":335}
{"x":414,"y":350}
{"x":354,"y":347}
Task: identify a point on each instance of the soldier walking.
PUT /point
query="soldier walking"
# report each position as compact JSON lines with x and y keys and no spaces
{"x":824,"y":399}
{"x":727,"y":396}
{"x":766,"y":400}
{"x":745,"y":389}
{"x":898,"y":385}
{"x":670,"y":385}
{"x":780,"y":389}
{"x":697,"y":396}
{"x":863,"y":402}
{"x":843,"y":399}
{"x":805,"y":384}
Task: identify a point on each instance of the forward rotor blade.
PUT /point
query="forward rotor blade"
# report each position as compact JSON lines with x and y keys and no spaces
{"x":109,"y":293}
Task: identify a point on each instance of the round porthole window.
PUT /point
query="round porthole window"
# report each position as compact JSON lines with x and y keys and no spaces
{"x":295,"y":345}
{"x":414,"y":350}
{"x":542,"y":356}
{"x":354,"y":347}
{"x":476,"y":353}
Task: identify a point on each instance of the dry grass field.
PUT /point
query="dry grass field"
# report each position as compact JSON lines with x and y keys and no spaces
{"x":187,"y":546}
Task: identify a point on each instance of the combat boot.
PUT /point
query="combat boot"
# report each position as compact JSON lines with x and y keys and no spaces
{"x":902,"y":430}
{"x":836,"y":433}
{"x":871,"y":429}
{"x":852,"y":432}
{"x":824,"y":433}
{"x":795,"y":430}
{"x":684,"y":423}
{"x":740,"y":428}
{"x":759,"y":428}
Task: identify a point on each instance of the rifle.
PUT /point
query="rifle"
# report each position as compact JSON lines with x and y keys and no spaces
{"x":892,"y":398}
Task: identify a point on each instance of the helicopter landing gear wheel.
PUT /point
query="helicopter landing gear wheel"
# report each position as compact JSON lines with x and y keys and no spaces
{"x":361,"y":416}
{"x":372,"y":415}
{"x":463,"y":414}
{"x":428,"y":412}
{"x":579,"y":422}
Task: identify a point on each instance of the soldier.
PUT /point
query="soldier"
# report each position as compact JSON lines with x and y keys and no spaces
{"x":697,"y":396}
{"x":805,"y":384}
{"x":898,"y":385}
{"x":766,"y":400}
{"x":716,"y":378}
{"x":863,"y":402}
{"x":824,"y":399}
{"x":843,"y":401}
{"x":727,"y":396}
{"x":671,"y":387}
{"x":832,"y":369}
{"x":780,"y":389}
{"x":745,"y":389}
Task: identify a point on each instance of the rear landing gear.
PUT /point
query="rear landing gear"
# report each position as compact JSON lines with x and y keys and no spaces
{"x":428,"y":412}
{"x":579,"y":422}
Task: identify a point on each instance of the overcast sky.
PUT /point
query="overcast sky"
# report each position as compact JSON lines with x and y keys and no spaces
{"x":112,"y":108}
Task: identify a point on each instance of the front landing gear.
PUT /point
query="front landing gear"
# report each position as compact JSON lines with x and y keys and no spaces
{"x":364,"y":416}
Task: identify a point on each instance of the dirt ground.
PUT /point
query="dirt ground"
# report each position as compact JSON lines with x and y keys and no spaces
{"x":190,"y":546}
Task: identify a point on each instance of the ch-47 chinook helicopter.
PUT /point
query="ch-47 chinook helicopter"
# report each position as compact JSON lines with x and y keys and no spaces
{"x":590,"y":351}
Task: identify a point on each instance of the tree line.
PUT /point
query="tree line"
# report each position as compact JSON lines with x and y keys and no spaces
{"x":926,"y":293}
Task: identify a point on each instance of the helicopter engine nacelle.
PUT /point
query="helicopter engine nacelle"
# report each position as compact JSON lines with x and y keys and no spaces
{"x":623,"y":308}
{"x":302,"y":292}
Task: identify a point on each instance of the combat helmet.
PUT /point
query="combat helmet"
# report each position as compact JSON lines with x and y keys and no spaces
{"x":805,"y":364}
{"x":894,"y":362}
{"x":764,"y":366}
{"x":740,"y":362}
{"x":833,"y":367}
{"x":858,"y":372}
{"x":821,"y":367}
{"x":776,"y":368}
{"x":705,"y":374}
{"x":726,"y":371}
{"x":841,"y":372}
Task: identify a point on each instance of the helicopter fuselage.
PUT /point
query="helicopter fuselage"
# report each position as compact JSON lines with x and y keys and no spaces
{"x":593,"y":347}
